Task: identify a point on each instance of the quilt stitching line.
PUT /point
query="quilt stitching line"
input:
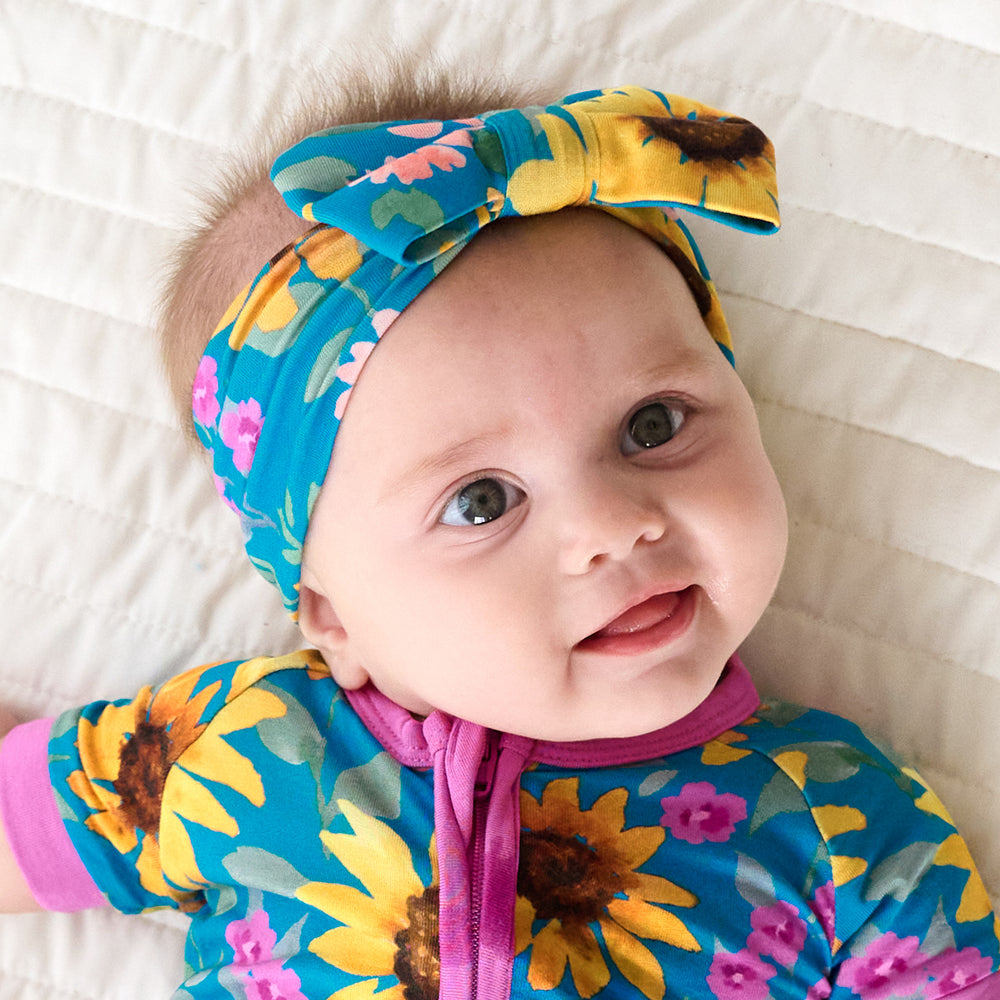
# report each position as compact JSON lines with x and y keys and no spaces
{"x":111,"y":611}
{"x":764,"y":399}
{"x":112,"y":516}
{"x":824,"y":213}
{"x":766,"y":92}
{"x":52,"y":195}
{"x":48,"y":97}
{"x":105,"y":410}
{"x":901,"y":26}
{"x":908,"y":345}
{"x":852,"y":629}
{"x":871,"y":541}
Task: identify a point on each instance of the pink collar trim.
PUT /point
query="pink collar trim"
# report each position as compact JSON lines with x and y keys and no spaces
{"x":413,"y":741}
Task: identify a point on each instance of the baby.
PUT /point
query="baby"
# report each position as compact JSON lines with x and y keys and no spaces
{"x":525,"y":538}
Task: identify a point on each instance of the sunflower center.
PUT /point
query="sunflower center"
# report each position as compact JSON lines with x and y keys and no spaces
{"x":565,"y":878}
{"x":142,"y":773}
{"x":418,"y":949}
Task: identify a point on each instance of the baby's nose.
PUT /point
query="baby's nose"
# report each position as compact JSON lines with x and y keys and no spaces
{"x":609,"y":515}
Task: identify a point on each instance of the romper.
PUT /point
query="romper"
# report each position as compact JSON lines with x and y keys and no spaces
{"x":327,"y":844}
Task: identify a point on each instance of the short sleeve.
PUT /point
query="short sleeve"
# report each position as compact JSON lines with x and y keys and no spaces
{"x":109,"y":764}
{"x":906,"y":910}
{"x":134,"y":779}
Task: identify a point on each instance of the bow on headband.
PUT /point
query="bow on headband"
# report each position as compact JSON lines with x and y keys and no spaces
{"x":395,"y":202}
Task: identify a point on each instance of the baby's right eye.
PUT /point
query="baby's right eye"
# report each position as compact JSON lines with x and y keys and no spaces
{"x":481,"y":501}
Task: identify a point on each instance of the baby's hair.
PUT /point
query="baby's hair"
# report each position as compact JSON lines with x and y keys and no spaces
{"x":242,"y":221}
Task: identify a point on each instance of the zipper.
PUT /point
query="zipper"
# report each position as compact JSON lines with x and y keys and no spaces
{"x":480,"y":811}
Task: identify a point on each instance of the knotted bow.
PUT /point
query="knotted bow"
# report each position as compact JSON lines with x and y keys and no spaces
{"x":394,"y":203}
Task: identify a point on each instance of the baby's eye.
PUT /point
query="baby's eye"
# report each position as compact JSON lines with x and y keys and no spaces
{"x":650,"y":426}
{"x":481,"y":501}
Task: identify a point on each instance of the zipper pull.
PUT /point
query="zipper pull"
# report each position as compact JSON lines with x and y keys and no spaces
{"x":487,"y":767}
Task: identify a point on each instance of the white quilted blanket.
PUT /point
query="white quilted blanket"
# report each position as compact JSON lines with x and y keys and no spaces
{"x":866,"y":330}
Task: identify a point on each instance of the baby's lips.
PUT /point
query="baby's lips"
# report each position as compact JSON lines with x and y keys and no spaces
{"x":641,"y":616}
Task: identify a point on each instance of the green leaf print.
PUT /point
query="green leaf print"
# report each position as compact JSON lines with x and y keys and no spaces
{"x":417,"y":207}
{"x":900,"y":872}
{"x":324,"y":369}
{"x":254,"y":866}
{"x":828,"y":762}
{"x":294,"y":737}
{"x":489,"y":150}
{"x":753,"y":882}
{"x":373,"y":787}
{"x":779,"y":796}
{"x":940,"y":936}
{"x":304,"y":174}
{"x":652,"y":783}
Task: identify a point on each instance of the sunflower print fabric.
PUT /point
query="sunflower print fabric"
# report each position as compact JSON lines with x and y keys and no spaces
{"x":394,"y":203}
{"x":331,"y":847}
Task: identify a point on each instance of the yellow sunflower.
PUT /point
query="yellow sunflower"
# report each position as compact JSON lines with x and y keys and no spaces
{"x":578,"y":871}
{"x":391,"y":931}
{"x":128,"y":756}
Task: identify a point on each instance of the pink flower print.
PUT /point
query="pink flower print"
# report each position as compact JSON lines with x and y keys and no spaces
{"x":742,"y":976}
{"x":349,"y":371}
{"x":272,"y":982}
{"x":821,"y":991}
{"x":240,"y":430}
{"x":778,"y":931}
{"x":824,"y":905}
{"x":206,"y":385}
{"x":954,"y":970}
{"x":462,"y":137}
{"x":417,"y":130}
{"x":417,"y":165}
{"x":251,"y":939}
{"x":890,"y":967}
{"x":699,"y":813}
{"x":382,"y":319}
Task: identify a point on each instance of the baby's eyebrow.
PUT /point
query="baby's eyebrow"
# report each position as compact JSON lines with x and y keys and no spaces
{"x":445,"y":461}
{"x":684,"y":367}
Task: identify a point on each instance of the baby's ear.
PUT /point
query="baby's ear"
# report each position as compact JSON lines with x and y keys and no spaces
{"x":322,"y":628}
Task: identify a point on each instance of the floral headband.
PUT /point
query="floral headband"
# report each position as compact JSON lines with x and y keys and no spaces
{"x":394,"y":203}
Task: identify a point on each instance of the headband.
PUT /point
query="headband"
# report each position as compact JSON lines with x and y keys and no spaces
{"x":393,"y":204}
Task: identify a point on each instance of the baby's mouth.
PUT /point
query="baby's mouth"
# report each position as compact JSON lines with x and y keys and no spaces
{"x":641,"y":616}
{"x":645,"y":626}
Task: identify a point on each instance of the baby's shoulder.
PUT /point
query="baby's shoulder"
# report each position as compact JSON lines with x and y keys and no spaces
{"x":829,"y":759}
{"x":779,"y":727}
{"x":223,"y":682}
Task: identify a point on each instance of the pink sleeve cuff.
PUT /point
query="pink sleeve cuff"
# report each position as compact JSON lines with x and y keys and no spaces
{"x":41,"y":846}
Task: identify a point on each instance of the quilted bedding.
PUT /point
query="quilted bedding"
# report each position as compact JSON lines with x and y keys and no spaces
{"x":866,"y":331}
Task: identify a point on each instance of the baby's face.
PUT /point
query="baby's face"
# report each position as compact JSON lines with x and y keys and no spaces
{"x":549,"y":510}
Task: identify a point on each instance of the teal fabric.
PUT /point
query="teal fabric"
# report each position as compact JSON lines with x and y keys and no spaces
{"x":784,"y":857}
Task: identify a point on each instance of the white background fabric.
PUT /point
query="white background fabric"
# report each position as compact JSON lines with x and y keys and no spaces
{"x":866,"y":331}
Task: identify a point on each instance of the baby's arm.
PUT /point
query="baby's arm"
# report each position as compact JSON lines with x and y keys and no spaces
{"x":15,"y":896}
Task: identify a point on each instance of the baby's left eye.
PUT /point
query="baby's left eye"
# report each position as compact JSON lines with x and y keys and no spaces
{"x":650,"y":426}
{"x":481,"y":501}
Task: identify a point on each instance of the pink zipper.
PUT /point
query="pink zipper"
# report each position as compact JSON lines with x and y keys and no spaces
{"x":480,"y":815}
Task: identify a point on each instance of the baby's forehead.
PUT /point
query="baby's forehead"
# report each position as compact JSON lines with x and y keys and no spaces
{"x":574,"y":299}
{"x":504,"y":257}
{"x":549,"y":276}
